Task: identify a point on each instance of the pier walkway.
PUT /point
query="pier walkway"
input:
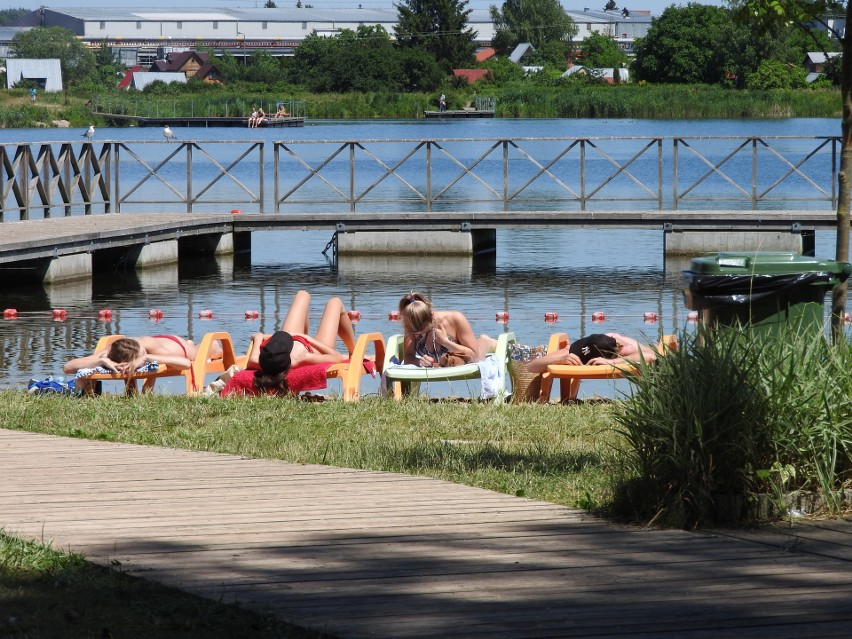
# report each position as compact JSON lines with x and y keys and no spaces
{"x":373,"y":554}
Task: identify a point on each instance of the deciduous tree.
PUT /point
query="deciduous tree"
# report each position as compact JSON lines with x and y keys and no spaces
{"x":539,"y":22}
{"x":438,"y":27}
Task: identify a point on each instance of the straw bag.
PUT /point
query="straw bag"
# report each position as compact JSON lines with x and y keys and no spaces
{"x":525,"y":385}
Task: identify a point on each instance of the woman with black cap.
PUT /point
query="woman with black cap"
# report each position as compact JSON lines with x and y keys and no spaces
{"x":275,"y":360}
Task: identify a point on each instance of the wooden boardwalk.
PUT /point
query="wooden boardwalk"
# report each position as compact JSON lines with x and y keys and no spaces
{"x":370,"y":554}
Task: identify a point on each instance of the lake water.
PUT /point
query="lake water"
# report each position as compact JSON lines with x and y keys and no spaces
{"x":573,"y":273}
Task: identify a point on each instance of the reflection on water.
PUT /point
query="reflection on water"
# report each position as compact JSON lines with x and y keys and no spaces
{"x":570,"y":272}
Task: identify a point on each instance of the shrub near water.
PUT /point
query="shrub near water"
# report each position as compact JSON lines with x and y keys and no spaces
{"x":731,"y":415}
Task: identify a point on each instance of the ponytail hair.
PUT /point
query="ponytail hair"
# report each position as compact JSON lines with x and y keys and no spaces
{"x":275,"y":384}
{"x":415,"y":310}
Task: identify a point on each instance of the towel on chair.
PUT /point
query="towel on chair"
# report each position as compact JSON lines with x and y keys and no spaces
{"x":492,"y":374}
{"x":150,"y":367}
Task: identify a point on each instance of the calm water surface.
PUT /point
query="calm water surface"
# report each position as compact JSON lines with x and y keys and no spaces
{"x":570,"y":272}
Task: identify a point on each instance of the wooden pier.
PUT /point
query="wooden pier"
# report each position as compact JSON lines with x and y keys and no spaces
{"x":358,"y":553}
{"x":269,"y":122}
{"x":461,"y":113}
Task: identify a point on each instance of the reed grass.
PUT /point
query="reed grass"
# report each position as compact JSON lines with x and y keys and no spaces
{"x":732,"y":415}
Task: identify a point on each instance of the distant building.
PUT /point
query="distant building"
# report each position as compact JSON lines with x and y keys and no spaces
{"x":607,"y":75}
{"x":140,"y":36}
{"x":142,"y":79}
{"x":46,"y":73}
{"x":192,"y":64}
{"x":815,"y":61}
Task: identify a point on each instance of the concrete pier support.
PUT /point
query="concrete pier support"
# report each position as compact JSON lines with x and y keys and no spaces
{"x":463,"y":242}
{"x":68,"y":267}
{"x":154,"y":254}
{"x":216,"y":243}
{"x":685,"y":242}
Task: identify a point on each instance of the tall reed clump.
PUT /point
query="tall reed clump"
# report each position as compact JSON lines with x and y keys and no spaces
{"x":732,"y":415}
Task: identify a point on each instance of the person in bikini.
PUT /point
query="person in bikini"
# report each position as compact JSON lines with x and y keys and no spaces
{"x":127,"y":354}
{"x":434,"y":338}
{"x":597,"y":349}
{"x":275,"y":358}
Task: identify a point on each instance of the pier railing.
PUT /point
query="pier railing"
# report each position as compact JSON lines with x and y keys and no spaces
{"x":418,"y":176}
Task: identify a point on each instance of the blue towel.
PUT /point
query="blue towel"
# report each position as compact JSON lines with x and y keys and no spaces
{"x":150,"y":367}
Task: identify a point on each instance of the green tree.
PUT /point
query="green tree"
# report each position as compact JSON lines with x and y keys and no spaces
{"x":774,"y":74}
{"x":809,"y":15}
{"x":598,"y":50}
{"x":682,"y":46}
{"x":363,"y":60}
{"x":76,"y":61}
{"x":438,"y":27}
{"x":8,"y":16}
{"x":543,"y":23}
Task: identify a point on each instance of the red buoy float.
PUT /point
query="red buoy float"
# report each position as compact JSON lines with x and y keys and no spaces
{"x":252,"y":315}
{"x":650,"y":317}
{"x":551,"y":317}
{"x":848,"y":318}
{"x":155,"y":314}
{"x":598,"y":317}
{"x":10,"y":313}
{"x":692,"y":316}
{"x":60,"y":314}
{"x":205,"y":313}
{"x":354,"y":316}
{"x":105,"y":314}
{"x":502,"y":317}
{"x":235,"y":211}
{"x":393,"y":316}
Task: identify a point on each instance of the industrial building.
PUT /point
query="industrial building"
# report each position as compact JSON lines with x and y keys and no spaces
{"x":139,"y":37}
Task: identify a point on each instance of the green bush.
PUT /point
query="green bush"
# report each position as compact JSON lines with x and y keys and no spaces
{"x":732,"y":415}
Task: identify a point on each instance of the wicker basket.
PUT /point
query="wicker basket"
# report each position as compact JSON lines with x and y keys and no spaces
{"x":525,"y":385}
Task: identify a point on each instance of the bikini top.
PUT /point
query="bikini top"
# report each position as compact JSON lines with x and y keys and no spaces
{"x":421,"y":346}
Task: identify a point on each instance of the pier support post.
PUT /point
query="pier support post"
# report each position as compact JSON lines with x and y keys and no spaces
{"x":686,"y":242}
{"x":154,"y":254}
{"x":464,"y":242}
{"x":68,"y":267}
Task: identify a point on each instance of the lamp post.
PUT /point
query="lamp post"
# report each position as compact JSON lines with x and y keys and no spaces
{"x":242,"y":38}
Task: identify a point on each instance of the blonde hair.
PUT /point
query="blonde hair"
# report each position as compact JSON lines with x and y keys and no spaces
{"x":415,"y":310}
{"x":124,"y":350}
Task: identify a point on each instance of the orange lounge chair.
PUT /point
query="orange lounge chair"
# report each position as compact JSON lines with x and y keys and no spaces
{"x":350,"y":371}
{"x":202,"y":365}
{"x":570,"y":376}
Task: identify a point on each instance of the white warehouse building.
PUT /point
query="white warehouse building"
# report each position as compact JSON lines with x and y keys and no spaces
{"x":140,"y":36}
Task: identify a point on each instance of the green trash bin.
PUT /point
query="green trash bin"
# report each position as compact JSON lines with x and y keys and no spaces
{"x":762,"y":290}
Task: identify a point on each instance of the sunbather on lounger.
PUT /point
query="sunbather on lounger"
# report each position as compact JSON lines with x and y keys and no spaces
{"x":127,"y":354}
{"x":596,"y":349}
{"x":272,"y":357}
{"x":439,"y":338}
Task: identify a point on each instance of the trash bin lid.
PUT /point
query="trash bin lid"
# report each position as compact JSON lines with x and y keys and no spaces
{"x":765,"y":263}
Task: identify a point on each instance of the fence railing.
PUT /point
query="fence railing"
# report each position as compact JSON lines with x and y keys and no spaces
{"x":418,"y":176}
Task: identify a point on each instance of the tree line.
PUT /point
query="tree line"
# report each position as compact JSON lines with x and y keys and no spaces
{"x":685,"y":45}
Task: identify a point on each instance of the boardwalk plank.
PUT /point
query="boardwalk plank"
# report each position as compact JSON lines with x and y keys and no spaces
{"x":370,"y":554}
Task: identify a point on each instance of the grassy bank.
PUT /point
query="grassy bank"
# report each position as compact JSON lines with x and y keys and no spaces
{"x":515,"y":101}
{"x":47,"y":594}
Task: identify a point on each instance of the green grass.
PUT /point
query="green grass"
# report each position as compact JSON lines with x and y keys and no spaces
{"x":563,"y":454}
{"x":48,"y":594}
